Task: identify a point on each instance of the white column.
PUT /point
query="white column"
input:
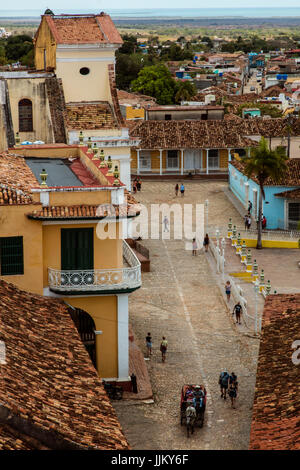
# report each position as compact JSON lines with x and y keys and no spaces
{"x":181,"y":152}
{"x":254,"y":212}
{"x":123,"y":341}
{"x":207,"y":161}
{"x":229,"y":155}
{"x":160,"y":161}
{"x":138,"y":161}
{"x":246,"y":195}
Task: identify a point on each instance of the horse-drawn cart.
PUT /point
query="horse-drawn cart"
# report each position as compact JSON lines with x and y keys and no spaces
{"x":192,"y":396}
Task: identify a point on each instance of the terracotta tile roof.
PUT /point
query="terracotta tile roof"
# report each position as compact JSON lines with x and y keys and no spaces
{"x":114,"y":95}
{"x":15,"y":174}
{"x":95,"y":212}
{"x":12,"y":196}
{"x":189,"y":134}
{"x":276,"y":410}
{"x":293,"y":194}
{"x":291,"y":178}
{"x":267,"y":127}
{"x":90,"y":116}
{"x":12,"y":439}
{"x":273,"y":91}
{"x":49,"y":388}
{"x":83,"y":29}
{"x":135,"y":98}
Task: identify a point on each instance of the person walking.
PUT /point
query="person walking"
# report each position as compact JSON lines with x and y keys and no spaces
{"x":228,"y":290}
{"x":246,"y":221}
{"x":163,"y":348}
{"x":249,"y":222}
{"x":149,"y":344}
{"x":223,"y":382}
{"x":233,"y":389}
{"x":195,"y":247}
{"x":166,"y":224}
{"x":134,"y":187}
{"x":238,"y":311}
{"x":206,"y":242}
{"x":182,"y":189}
{"x":139,"y":184}
{"x":176,"y":189}
{"x":249,"y":207}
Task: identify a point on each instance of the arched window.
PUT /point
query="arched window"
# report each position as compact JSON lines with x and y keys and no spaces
{"x":25,"y":116}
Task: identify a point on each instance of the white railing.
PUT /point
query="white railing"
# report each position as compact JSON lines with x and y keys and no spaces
{"x":252,"y":233}
{"x":98,"y":279}
{"x":236,"y":291}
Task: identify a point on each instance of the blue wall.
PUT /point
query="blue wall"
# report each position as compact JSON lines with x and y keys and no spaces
{"x":273,"y":207}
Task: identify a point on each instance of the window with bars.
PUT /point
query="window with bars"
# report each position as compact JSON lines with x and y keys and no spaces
{"x":172,"y":159}
{"x":11,"y":256}
{"x":25,"y":116}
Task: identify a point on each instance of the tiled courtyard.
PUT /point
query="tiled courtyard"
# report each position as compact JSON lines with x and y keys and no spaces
{"x":180,"y":299}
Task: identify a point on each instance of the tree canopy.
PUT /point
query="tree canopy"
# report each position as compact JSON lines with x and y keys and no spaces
{"x":156,"y":81}
{"x":264,"y":163}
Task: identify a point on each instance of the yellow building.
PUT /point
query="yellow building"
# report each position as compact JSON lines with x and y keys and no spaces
{"x":57,"y":204}
{"x":72,"y":89}
{"x":185,"y":147}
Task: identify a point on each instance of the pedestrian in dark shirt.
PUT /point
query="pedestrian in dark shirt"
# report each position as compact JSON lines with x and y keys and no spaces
{"x":149,"y":344}
{"x":206,"y":242}
{"x":238,"y":311}
{"x":176,"y":189}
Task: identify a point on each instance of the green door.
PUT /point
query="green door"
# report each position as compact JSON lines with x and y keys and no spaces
{"x":77,"y":248}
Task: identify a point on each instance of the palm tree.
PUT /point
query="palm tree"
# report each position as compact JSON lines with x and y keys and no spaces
{"x":263,"y":164}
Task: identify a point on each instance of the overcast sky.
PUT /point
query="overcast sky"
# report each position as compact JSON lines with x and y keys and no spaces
{"x":105,"y":5}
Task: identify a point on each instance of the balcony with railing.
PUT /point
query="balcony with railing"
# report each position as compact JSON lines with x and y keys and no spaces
{"x":102,"y":281}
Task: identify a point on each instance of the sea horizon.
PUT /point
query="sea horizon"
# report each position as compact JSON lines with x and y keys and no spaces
{"x":148,"y":13}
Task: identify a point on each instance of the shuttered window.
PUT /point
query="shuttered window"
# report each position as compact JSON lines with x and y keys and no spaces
{"x":25,"y":116}
{"x":11,"y":256}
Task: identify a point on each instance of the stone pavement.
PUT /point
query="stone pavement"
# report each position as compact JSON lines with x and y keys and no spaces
{"x":180,"y":299}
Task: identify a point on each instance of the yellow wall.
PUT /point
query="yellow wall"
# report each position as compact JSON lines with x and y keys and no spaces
{"x":61,"y":151}
{"x":44,"y":40}
{"x":3,"y":138}
{"x":104,"y":312}
{"x":155,"y":161}
{"x":107,"y":253}
{"x":272,"y":243}
{"x":79,"y":198}
{"x":14,"y":223}
{"x":33,"y":89}
{"x":134,"y":113}
{"x":91,"y":87}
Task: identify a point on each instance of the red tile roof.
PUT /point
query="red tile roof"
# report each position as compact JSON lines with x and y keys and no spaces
{"x":14,"y":173}
{"x":12,"y":196}
{"x":83,"y":29}
{"x":49,"y":388}
{"x":96,"y":212}
{"x":125,"y":97}
{"x":83,"y":116}
{"x":276,"y":410}
{"x":189,"y":134}
{"x":291,"y":177}
{"x":83,"y":174}
{"x":293,"y":194}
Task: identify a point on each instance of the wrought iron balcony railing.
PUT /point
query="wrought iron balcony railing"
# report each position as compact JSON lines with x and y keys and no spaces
{"x":92,"y":280}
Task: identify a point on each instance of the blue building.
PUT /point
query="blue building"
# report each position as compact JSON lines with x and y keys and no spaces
{"x":281,"y":205}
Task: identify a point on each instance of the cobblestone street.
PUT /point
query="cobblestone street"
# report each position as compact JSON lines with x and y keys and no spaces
{"x":180,"y":299}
